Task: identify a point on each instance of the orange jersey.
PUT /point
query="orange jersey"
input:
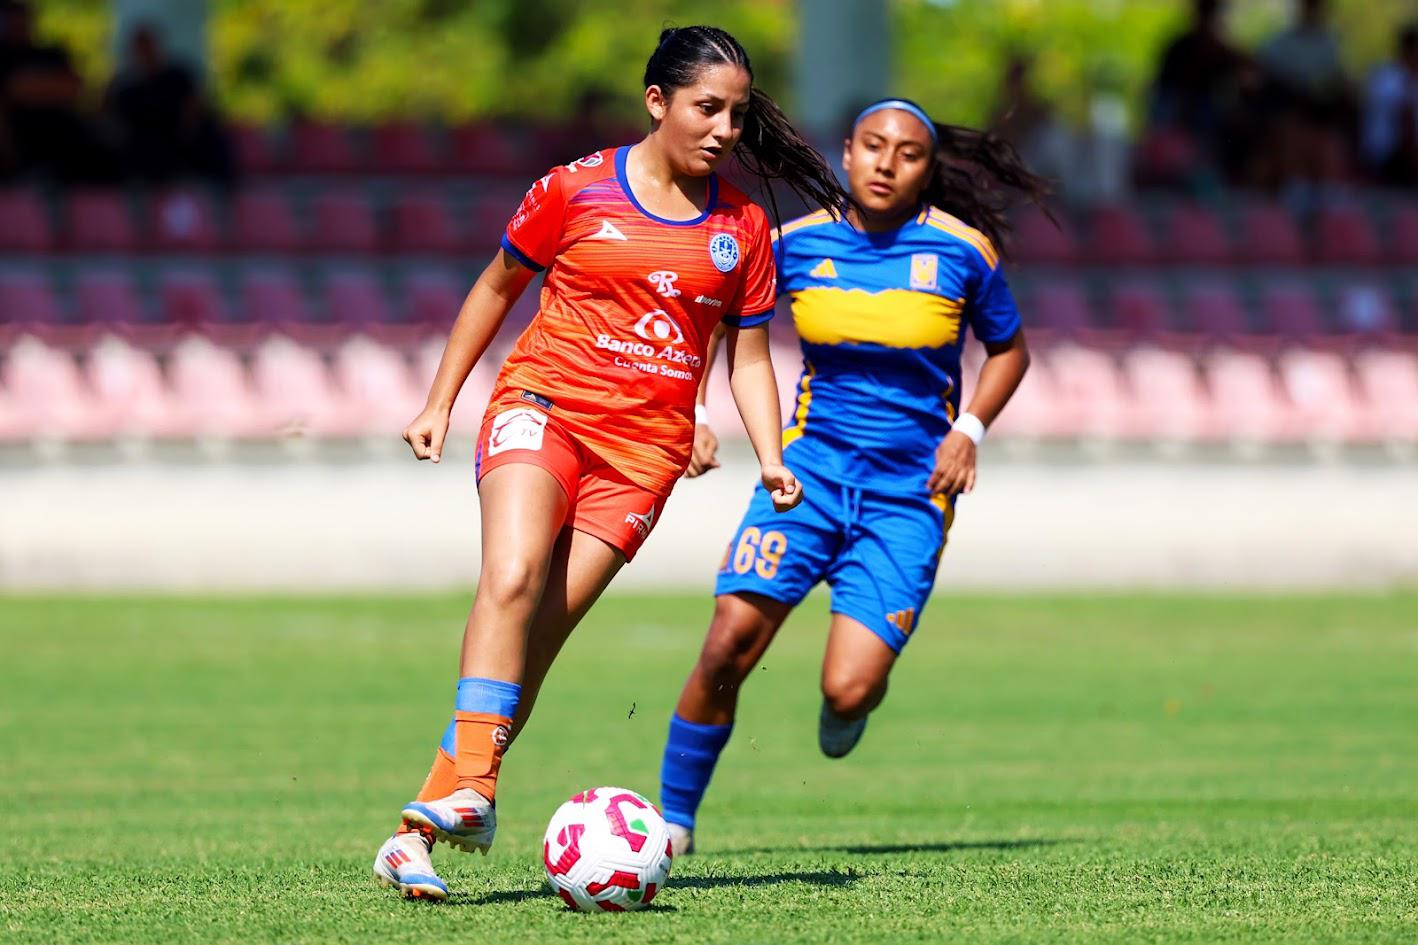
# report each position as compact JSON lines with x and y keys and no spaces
{"x":627,"y":310}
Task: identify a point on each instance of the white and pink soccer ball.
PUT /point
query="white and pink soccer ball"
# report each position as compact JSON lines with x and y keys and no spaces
{"x":607,"y":849}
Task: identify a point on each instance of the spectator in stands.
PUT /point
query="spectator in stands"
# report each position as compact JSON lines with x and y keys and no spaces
{"x":1028,"y":122}
{"x":1390,"y":136}
{"x":168,"y":128}
{"x":42,"y":130}
{"x":1308,"y":99}
{"x":1198,"y":128}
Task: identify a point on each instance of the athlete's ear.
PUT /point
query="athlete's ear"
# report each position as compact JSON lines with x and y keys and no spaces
{"x":847,"y":155}
{"x":656,"y":103}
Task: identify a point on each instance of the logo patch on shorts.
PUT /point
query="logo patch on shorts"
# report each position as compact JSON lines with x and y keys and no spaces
{"x":520,"y":428}
{"x":543,"y":402}
{"x":724,"y":251}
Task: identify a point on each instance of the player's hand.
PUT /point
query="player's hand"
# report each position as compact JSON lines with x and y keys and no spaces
{"x":705,"y":455}
{"x":783,"y":486}
{"x":426,"y":433}
{"x":954,"y":466}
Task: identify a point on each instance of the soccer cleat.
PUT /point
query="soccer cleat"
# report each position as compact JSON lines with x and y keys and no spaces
{"x":403,"y":863}
{"x":837,"y":736}
{"x":681,"y":839}
{"x":464,"y":819}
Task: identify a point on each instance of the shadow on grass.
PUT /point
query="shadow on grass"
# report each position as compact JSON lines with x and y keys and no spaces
{"x":954,"y":846}
{"x":815,"y":878}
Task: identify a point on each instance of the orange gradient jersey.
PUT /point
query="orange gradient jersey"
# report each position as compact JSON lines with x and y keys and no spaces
{"x":627,"y":310}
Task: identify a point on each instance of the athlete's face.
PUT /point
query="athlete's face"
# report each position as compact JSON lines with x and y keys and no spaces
{"x":888,"y":161}
{"x":700,"y":123}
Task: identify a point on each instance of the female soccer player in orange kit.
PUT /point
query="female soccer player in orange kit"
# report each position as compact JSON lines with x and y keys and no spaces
{"x":591,"y":421}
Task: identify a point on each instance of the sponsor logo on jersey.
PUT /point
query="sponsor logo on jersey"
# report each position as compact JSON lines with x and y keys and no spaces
{"x":641,"y":523}
{"x":923,"y":270}
{"x":824,"y":270}
{"x":608,"y":232}
{"x":520,"y":428}
{"x":658,"y":326}
{"x":711,"y":303}
{"x":664,"y":282}
{"x":589,"y":161}
{"x":724,"y":252}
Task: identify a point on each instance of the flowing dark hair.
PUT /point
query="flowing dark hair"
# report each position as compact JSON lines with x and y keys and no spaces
{"x":770,"y":148}
{"x":978,"y":177}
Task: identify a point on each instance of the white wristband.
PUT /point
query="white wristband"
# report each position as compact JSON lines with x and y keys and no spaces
{"x":701,"y":414}
{"x":970,"y":425}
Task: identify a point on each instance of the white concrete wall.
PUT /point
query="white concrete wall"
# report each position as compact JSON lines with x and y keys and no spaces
{"x":394,"y":524}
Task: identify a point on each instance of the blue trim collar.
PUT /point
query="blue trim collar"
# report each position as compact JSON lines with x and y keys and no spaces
{"x":622,"y":153}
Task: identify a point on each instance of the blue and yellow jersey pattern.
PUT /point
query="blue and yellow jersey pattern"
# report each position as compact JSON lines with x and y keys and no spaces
{"x":881,"y":317}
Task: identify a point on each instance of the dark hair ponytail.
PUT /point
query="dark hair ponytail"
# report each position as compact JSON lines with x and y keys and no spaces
{"x":978,"y":177}
{"x":770,"y":148}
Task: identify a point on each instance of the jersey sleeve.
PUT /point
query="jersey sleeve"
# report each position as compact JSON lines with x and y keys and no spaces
{"x":993,"y":314}
{"x":534,"y":232}
{"x":758,"y":292}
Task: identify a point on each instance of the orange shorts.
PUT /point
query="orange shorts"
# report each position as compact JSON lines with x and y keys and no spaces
{"x":603,"y":502}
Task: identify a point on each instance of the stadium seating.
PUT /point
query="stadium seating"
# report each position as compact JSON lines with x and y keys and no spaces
{"x":1269,"y":236}
{"x":98,"y":221}
{"x":318,"y":148}
{"x":184,"y":221}
{"x":405,"y":148}
{"x":1255,"y":409}
{"x":24,"y":223}
{"x":344,"y":223}
{"x":263,"y":222}
{"x":1346,"y":237}
{"x":1214,"y":313}
{"x":423,"y":223}
{"x":1120,"y":237}
{"x":1195,"y":235}
{"x":1038,"y":240}
{"x":27,"y":306}
{"x":1171,"y":402}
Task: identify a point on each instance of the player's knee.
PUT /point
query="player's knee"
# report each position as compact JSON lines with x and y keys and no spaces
{"x":734,"y":637}
{"x":510,"y":582}
{"x":850,"y":695}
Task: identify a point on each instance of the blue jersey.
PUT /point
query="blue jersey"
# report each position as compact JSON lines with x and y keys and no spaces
{"x":881,"y":318}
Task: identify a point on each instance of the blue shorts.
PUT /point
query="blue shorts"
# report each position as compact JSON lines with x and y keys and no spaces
{"x":877,"y":552}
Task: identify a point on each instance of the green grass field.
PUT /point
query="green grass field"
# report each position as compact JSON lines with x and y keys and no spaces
{"x":1045,"y":769}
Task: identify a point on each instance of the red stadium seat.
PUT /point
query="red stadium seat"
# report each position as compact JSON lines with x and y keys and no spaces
{"x":1345,"y":237}
{"x":27,"y":306}
{"x":354,"y":299}
{"x":405,"y":148}
{"x":1323,"y":396}
{"x":1389,"y":382}
{"x":488,"y":214}
{"x":488,"y":149}
{"x":256,"y":153}
{"x":1214,"y":311}
{"x":97,"y":221}
{"x":210,"y":382}
{"x":1037,"y":239}
{"x":54,"y":401}
{"x":1170,"y":400}
{"x":24,"y":223}
{"x":1404,"y":242}
{"x":273,"y":297}
{"x":108,"y":301}
{"x":192,"y":300}
{"x":423,"y":224}
{"x":1062,"y":308}
{"x":1120,"y":237}
{"x":1140,"y":310}
{"x":1244,"y":389}
{"x":1035,"y":409}
{"x":344,"y":223}
{"x":263,"y":222}
{"x":318,"y":148}
{"x":184,"y":221}
{"x":129,"y":382}
{"x":1269,"y":236}
{"x":1291,"y":310}
{"x":1194,"y":235}
{"x":1091,"y":395}
{"x":432,"y":299}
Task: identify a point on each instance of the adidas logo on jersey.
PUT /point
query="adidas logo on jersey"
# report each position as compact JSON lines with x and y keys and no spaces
{"x":824,"y":270}
{"x":609,"y":232}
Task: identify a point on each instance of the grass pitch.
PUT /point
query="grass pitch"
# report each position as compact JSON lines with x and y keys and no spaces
{"x":1074,"y":769}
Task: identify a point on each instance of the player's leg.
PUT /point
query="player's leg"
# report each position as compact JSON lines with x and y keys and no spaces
{"x":880,"y":584}
{"x":772,"y":562}
{"x":582,"y":566}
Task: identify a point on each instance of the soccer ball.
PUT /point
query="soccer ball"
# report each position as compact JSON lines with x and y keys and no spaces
{"x":607,"y":849}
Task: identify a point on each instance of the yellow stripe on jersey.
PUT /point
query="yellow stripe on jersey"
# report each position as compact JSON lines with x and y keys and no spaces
{"x":947,"y":511}
{"x":816,"y":218}
{"x":804,"y":402}
{"x":896,"y":318}
{"x":946,"y":223}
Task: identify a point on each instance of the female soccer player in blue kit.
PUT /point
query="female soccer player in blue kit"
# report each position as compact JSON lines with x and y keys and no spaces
{"x":880,"y":298}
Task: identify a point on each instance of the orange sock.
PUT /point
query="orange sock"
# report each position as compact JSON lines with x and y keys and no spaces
{"x":481,"y":739}
{"x":442,"y":777}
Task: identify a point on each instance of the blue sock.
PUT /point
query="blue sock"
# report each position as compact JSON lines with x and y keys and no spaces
{"x":690,"y":755}
{"x":490,"y":696}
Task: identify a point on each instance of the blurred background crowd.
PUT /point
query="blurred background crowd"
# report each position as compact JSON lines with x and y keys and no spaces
{"x":261,"y":222}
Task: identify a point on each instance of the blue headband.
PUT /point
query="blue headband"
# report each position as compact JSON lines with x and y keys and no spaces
{"x":900,"y":104}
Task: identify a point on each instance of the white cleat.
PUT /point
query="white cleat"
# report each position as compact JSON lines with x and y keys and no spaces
{"x":403,"y":863}
{"x":837,"y":736}
{"x":464,"y":819}
{"x":681,"y":840}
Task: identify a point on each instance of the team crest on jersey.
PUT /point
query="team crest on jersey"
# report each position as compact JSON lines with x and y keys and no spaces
{"x":724,"y":251}
{"x":589,"y":161}
{"x":923,"y":270}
